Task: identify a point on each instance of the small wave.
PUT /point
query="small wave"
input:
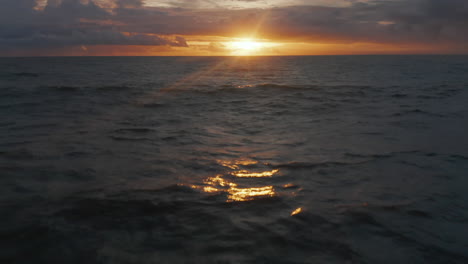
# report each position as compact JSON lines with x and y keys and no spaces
{"x":371,"y":223}
{"x":113,"y":88}
{"x":80,"y":175}
{"x":459,"y":157}
{"x":373,"y":133}
{"x":20,"y":104}
{"x":330,"y":90}
{"x":62,"y":88}
{"x":373,"y":156}
{"x":290,"y":186}
{"x":69,"y":88}
{"x":151,"y":105}
{"x":134,"y":130}
{"x":99,"y":210}
{"x":419,"y":213}
{"x":18,"y":154}
{"x":428,"y":97}
{"x":283,"y":86}
{"x":305,"y":165}
{"x":358,"y":217}
{"x":25,"y":74}
{"x":417,"y":111}
{"x":33,"y":126}
{"x":380,"y":156}
{"x":399,"y":95}
{"x":5,"y":124}
{"x":174,"y":188}
{"x":16,"y":143}
{"x":361,"y":158}
{"x":122,"y":138}
{"x":14,"y":92}
{"x":77,"y":154}
{"x":208,"y":89}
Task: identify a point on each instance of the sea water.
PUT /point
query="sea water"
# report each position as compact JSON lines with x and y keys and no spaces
{"x":327,"y":159}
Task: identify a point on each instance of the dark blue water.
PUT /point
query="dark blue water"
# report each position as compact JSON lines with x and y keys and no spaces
{"x":346,"y":159}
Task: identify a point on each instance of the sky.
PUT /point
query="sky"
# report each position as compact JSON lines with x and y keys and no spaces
{"x":232,"y":27}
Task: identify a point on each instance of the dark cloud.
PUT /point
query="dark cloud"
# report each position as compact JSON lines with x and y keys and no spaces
{"x":130,"y":22}
{"x":71,"y":23}
{"x":417,"y":21}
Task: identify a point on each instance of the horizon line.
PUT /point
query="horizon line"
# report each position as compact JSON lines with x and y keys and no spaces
{"x":237,"y":56}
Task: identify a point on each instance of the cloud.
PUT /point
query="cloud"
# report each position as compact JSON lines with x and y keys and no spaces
{"x":417,"y":21}
{"x":393,"y":21}
{"x":180,"y":42}
{"x":78,"y":23}
{"x":217,"y":47}
{"x":71,"y":23}
{"x":89,"y":37}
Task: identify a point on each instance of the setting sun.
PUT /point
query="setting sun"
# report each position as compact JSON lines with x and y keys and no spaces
{"x":241,"y":47}
{"x":246,"y":45}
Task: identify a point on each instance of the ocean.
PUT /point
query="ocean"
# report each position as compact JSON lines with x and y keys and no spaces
{"x":320,"y":159}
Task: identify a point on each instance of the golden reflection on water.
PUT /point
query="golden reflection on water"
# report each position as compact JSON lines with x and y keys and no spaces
{"x":209,"y":189}
{"x":239,"y":169}
{"x":235,"y":164}
{"x":218,"y":180}
{"x":297,"y":211}
{"x":248,"y":194}
{"x":248,"y":174}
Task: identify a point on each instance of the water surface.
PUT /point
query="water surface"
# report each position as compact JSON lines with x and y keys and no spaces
{"x":346,"y":159}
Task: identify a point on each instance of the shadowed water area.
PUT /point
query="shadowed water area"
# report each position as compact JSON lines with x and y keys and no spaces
{"x":338,"y":159}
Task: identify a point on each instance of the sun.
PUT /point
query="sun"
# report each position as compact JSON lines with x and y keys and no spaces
{"x":245,"y":46}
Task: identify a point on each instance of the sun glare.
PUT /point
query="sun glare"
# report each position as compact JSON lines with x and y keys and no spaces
{"x":246,"y":47}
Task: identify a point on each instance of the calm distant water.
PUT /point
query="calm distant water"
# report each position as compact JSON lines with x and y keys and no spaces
{"x":347,"y":159}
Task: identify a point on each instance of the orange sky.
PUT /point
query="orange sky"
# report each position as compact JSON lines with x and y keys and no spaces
{"x":261,"y":48}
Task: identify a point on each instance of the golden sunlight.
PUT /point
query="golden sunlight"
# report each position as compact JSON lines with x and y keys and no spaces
{"x":242,"y":47}
{"x":246,"y":45}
